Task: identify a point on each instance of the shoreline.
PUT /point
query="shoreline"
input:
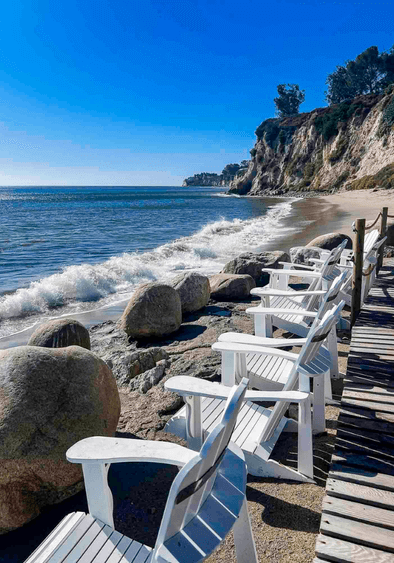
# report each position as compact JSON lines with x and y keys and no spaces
{"x":278,"y":508}
{"x":317,"y":216}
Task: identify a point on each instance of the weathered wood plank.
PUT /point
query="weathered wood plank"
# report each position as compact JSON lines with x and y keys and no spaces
{"x":381,"y":369}
{"x":384,"y":397}
{"x":360,"y":476}
{"x":358,"y":532}
{"x":359,"y":412}
{"x":373,"y":496}
{"x":340,"y":551}
{"x":369,"y":344}
{"x":356,"y":446}
{"x":368,"y":385}
{"x":359,"y":512}
{"x":365,"y":425}
{"x":368,"y":463}
{"x":374,"y":336}
{"x":369,"y":405}
{"x":366,"y":437}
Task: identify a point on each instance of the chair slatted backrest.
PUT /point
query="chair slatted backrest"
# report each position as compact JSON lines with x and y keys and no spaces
{"x":193,"y":485}
{"x":331,"y":296}
{"x":327,"y":269}
{"x":316,"y":336}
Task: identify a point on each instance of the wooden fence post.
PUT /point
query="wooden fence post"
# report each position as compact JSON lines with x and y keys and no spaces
{"x":357,"y":269}
{"x":383,"y":227}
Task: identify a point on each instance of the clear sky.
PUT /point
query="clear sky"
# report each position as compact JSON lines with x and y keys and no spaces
{"x":147,"y":92}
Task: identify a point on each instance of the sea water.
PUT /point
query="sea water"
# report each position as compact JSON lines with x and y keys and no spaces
{"x":64,"y":251}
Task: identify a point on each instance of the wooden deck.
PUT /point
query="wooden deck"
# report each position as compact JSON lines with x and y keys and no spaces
{"x":357,"y":522}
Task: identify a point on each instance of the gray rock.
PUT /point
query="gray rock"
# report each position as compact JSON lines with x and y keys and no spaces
{"x":153,"y":311}
{"x":145,"y":381}
{"x":60,"y":333}
{"x":330,"y":241}
{"x":303,"y":254}
{"x":227,"y":287}
{"x":193,"y":289}
{"x":252,"y":264}
{"x":49,"y":399}
{"x":129,"y":364}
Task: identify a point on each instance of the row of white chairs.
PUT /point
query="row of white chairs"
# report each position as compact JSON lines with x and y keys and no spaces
{"x":228,"y":432}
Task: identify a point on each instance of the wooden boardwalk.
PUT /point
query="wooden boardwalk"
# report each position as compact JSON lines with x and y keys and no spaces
{"x":357,"y":522}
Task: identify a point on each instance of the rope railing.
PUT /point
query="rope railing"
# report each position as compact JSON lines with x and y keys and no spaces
{"x":367,"y":227}
{"x":369,"y":270}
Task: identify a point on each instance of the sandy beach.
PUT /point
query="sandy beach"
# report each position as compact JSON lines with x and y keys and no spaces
{"x":285,"y":516}
{"x":360,"y":204}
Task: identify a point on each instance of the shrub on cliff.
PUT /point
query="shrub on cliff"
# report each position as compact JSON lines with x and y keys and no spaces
{"x":369,"y":73}
{"x":289,"y":100}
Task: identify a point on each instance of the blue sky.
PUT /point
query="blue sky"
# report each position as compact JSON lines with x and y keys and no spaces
{"x":147,"y":92}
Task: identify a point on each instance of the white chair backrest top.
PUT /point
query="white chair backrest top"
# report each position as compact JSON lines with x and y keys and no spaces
{"x":317,"y":334}
{"x":194,"y":482}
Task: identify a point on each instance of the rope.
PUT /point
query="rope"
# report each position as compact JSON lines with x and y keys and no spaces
{"x":391,"y":216}
{"x":369,"y":270}
{"x":367,"y":227}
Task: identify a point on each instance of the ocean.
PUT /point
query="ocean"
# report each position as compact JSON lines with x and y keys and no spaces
{"x":83,"y":250}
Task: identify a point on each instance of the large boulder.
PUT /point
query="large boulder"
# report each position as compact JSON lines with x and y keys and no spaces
{"x":252,"y":264}
{"x":229,"y":287}
{"x":330,"y":241}
{"x":60,"y":333}
{"x":49,"y":399}
{"x":153,"y":311}
{"x":193,"y":289}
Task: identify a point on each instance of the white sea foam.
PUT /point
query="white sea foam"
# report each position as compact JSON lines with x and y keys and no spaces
{"x":77,"y":287}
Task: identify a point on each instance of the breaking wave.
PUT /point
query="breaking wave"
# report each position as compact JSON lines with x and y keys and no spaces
{"x":77,"y":287}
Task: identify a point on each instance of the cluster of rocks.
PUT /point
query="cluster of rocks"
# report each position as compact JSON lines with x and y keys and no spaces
{"x":69,"y":383}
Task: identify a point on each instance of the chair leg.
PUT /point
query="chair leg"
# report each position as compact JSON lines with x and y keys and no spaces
{"x":319,"y":416}
{"x":332,"y":346}
{"x":263,"y":325}
{"x":305,"y":447}
{"x":228,"y":369}
{"x":243,"y":537}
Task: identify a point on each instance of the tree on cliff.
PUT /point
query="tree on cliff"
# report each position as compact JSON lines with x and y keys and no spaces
{"x":369,"y":73}
{"x":289,"y":100}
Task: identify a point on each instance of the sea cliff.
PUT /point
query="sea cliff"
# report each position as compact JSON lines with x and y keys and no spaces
{"x":348,"y":145}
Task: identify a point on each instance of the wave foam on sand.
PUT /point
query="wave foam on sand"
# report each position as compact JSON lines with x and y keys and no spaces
{"x":77,"y":287}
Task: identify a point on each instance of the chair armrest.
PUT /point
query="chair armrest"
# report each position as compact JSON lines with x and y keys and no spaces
{"x":241,"y":348}
{"x":100,"y":449}
{"x":285,"y":292}
{"x":185,"y":385}
{"x":298,"y":273}
{"x":242,"y":338}
{"x":279,"y":311}
{"x":296,"y":265}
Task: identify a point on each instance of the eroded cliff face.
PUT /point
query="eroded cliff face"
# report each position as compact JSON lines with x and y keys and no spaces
{"x":349,"y":145}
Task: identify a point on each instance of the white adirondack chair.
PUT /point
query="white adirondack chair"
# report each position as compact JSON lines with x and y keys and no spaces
{"x":258,"y":428}
{"x":207,"y":499}
{"x":327,"y":357}
{"x":347,"y":254}
{"x":319,"y":276}
{"x":270,"y":369}
{"x":285,"y":303}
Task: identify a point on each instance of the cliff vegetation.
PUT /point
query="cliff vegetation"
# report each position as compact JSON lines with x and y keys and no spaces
{"x":346,"y":145}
